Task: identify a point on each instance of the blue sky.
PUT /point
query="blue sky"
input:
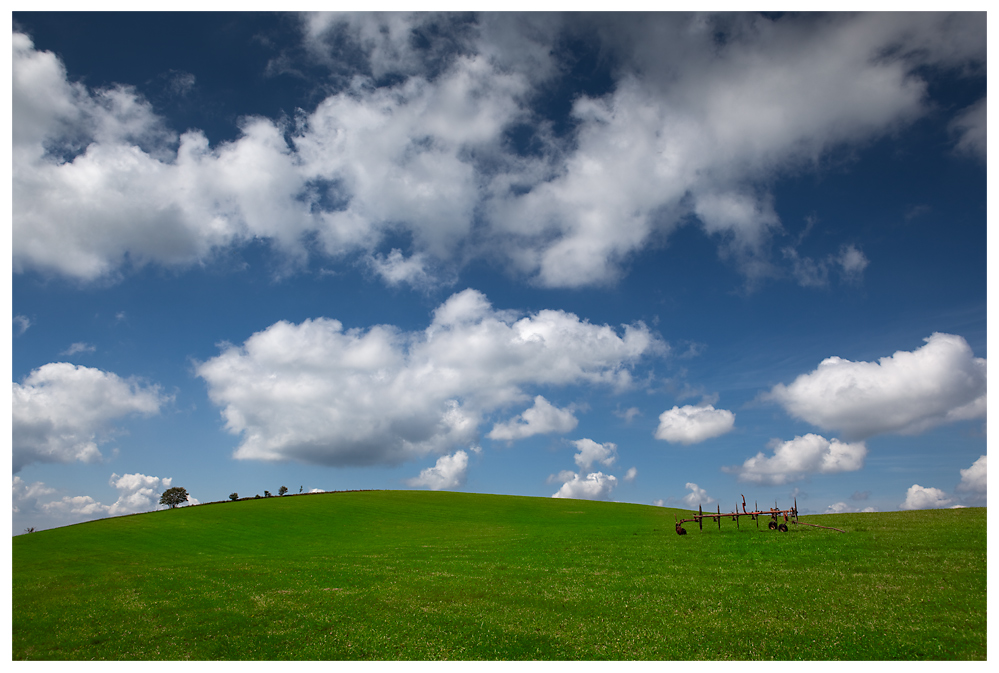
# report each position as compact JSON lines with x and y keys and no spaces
{"x":665,"y":259}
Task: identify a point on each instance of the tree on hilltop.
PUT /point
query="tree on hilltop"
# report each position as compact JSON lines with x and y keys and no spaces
{"x":234,"y":496}
{"x":174,"y":496}
{"x":282,"y":490}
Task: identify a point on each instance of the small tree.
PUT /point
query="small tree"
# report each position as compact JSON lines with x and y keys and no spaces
{"x":174,"y":496}
{"x":234,"y":496}
{"x":282,"y":490}
{"x":267,"y":494}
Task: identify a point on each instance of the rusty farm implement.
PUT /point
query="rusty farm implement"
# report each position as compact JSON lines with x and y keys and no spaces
{"x":774,"y":514}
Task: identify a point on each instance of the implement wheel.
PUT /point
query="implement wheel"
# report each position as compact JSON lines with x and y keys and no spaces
{"x":680,"y":530}
{"x":782,"y":528}
{"x":772,"y":525}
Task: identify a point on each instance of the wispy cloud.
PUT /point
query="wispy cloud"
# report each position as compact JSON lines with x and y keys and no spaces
{"x":21,"y":324}
{"x":79,"y":347}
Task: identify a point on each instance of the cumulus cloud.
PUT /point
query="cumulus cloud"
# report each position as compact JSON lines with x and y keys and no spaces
{"x":692,"y":424}
{"x":449,"y":472}
{"x":594,"y":486}
{"x":591,"y":452}
{"x":702,"y":113}
{"x":139,"y":493}
{"x":317,"y":393}
{"x":25,"y":496}
{"x":631,"y":474}
{"x":974,"y":482}
{"x":61,"y":412}
{"x":697,"y":496}
{"x":904,"y":393}
{"x":797,"y":458}
{"x":542,"y":418}
{"x":33,"y":503}
{"x":918,"y":497}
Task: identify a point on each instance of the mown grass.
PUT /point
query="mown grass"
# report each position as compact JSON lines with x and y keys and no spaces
{"x":406,"y":575}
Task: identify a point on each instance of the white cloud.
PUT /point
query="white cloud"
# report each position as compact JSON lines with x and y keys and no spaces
{"x":843,"y":508}
{"x":974,"y":482}
{"x":320,"y":394}
{"x":594,"y":486}
{"x":139,"y":493}
{"x":918,"y":497}
{"x":797,"y":458}
{"x":697,"y":496}
{"x":33,"y":503}
{"x":692,"y":126}
{"x":590,"y":452}
{"x":61,"y":412}
{"x":850,"y":261}
{"x":79,"y":347}
{"x":692,"y":424}
{"x":449,"y":472}
{"x":25,"y":495}
{"x":542,"y":418}
{"x":971,"y":127}
{"x":631,"y":474}
{"x":22,"y":323}
{"x":395,"y":269}
{"x":628,"y":415}
{"x":905,"y":393}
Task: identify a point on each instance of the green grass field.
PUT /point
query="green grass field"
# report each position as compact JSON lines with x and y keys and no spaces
{"x":429,"y":576}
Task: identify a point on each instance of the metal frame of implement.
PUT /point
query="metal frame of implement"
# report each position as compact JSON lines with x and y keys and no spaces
{"x":774,"y":514}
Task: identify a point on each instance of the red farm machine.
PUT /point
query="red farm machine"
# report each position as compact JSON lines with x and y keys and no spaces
{"x":774,"y":514}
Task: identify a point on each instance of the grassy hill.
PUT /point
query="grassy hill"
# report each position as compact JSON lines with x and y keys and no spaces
{"x":424,"y":575}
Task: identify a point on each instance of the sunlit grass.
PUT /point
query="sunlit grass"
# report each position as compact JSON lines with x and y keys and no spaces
{"x":428,"y":576}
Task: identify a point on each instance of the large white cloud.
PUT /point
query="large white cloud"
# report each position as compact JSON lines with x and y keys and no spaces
{"x":799,"y":457}
{"x":594,"y":486}
{"x":920,"y":497}
{"x":317,"y":393}
{"x":542,"y":418}
{"x":906,"y":393}
{"x":692,"y":424}
{"x":449,"y":472}
{"x":61,"y":412}
{"x":692,"y":125}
